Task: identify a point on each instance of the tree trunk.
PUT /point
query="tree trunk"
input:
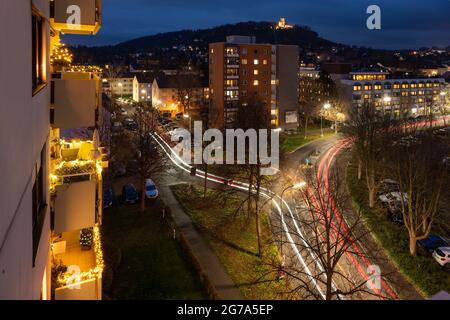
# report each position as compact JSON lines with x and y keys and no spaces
{"x":370,"y":177}
{"x":328,"y":294}
{"x":250,"y":196}
{"x":371,"y":197}
{"x":412,"y":245}
{"x":359,"y":168}
{"x":142,"y":195}
{"x":258,"y":233}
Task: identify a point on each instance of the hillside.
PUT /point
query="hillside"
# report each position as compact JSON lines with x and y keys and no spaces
{"x":265,"y":32}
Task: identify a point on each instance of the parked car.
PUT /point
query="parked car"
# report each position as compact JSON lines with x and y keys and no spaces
{"x":442,"y":256}
{"x":108,"y":197}
{"x":167,"y":115}
{"x":130,"y":194}
{"x":130,"y":124}
{"x":179,"y":116}
{"x":432,"y":243}
{"x":151,"y":192}
{"x":123,"y":111}
{"x":393,"y":196}
{"x":387,"y":186}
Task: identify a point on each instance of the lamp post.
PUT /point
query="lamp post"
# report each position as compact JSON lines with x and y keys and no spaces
{"x":186,"y":116}
{"x":121,"y":90}
{"x":296,"y":186}
{"x":326,"y":106}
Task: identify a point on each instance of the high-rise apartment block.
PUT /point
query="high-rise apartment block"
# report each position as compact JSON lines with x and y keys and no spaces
{"x":242,"y":71}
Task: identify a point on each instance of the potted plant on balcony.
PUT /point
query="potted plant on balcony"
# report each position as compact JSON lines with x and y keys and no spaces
{"x":86,"y":237}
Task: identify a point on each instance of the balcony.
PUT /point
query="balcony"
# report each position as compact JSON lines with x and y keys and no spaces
{"x":76,"y":16}
{"x":75,"y":184}
{"x":76,"y":99}
{"x":77,"y":265}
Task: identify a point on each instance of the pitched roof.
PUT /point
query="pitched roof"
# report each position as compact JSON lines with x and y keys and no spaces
{"x":144,"y":77}
{"x":175,"y":81}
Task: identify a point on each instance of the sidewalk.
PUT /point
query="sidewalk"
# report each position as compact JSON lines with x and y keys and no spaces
{"x":214,"y":273}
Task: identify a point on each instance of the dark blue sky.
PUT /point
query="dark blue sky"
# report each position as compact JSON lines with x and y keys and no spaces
{"x":405,"y":23}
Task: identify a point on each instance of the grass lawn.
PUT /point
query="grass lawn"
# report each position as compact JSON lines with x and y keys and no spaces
{"x":233,"y":238}
{"x":422,"y":270}
{"x":290,"y":143}
{"x":152,"y":264}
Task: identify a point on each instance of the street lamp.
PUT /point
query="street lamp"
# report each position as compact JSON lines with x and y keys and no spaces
{"x":186,"y":116}
{"x":326,"y":106}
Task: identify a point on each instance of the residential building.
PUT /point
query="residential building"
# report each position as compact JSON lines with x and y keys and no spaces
{"x":175,"y":93}
{"x":412,"y":95}
{"x":241,"y":70}
{"x":43,"y":206}
{"x":119,"y":87}
{"x":283,"y":25}
{"x":142,"y":87}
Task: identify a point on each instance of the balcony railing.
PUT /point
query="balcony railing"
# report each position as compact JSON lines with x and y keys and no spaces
{"x":76,"y":184}
{"x":75,"y":99}
{"x":78,"y":265}
{"x":76,"y":16}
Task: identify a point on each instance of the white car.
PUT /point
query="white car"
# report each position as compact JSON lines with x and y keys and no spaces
{"x":442,"y":256}
{"x":393,"y":197}
{"x":151,"y":192}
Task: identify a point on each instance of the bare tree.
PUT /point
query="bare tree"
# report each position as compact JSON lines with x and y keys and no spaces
{"x":371,"y":131}
{"x":150,"y":160}
{"x":187,"y":85}
{"x":255,"y":115}
{"x":326,"y":241}
{"x":419,"y":169}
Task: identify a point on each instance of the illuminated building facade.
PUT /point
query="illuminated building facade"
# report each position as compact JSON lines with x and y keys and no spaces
{"x":51,"y":188}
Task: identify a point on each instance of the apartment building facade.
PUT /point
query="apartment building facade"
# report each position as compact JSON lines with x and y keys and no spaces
{"x":241,"y":71}
{"x":169,"y":90}
{"x":142,"y":87}
{"x":414,"y":96}
{"x":37,"y":212}
{"x":118,"y":87}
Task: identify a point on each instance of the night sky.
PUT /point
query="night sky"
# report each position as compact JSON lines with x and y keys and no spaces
{"x":405,"y":23}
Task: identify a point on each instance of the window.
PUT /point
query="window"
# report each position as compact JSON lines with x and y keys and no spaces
{"x":244,"y":61}
{"x":244,"y":51}
{"x":356,"y":88}
{"x":265,"y":61}
{"x":244,"y":72}
{"x":39,"y":206}
{"x":38,"y":56}
{"x":255,"y":62}
{"x":255,"y":72}
{"x":367,"y":87}
{"x":244,"y":82}
{"x":255,"y":82}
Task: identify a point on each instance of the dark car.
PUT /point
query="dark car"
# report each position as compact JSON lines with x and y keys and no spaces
{"x":108,"y":197}
{"x":130,"y":194}
{"x":432,"y":243}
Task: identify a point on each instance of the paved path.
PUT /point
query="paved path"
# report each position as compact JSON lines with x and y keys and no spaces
{"x":214,"y":272}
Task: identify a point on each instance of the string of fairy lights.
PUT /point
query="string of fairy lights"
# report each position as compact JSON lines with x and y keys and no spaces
{"x":61,"y":57}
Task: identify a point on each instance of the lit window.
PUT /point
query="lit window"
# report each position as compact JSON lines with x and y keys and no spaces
{"x":256,"y":62}
{"x":244,"y":61}
{"x":255,"y":72}
{"x":255,"y":82}
{"x":356,"y":88}
{"x":265,"y":61}
{"x":37,"y":64}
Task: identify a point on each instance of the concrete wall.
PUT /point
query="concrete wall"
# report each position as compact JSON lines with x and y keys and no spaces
{"x":24,"y":128}
{"x":287,"y":91}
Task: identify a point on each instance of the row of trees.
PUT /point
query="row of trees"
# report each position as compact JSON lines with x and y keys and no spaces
{"x":388,"y":148}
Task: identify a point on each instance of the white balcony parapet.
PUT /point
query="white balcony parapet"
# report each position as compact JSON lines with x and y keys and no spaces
{"x":76,"y":16}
